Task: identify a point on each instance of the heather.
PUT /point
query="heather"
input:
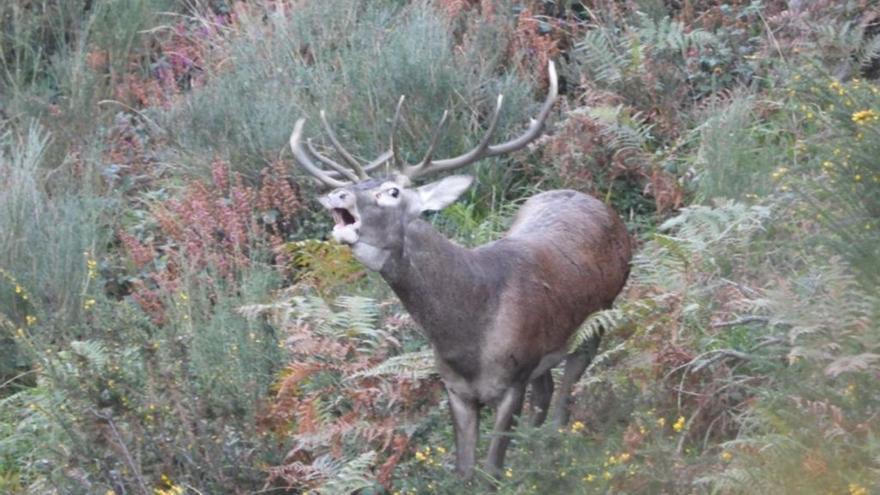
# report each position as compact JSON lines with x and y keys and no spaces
{"x":173,"y":319}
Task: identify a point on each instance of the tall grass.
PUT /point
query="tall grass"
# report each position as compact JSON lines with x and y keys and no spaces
{"x":52,"y":220}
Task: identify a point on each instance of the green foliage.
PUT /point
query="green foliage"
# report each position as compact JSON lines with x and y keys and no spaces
{"x":68,"y":62}
{"x":354,"y":60}
{"x":837,"y":180}
{"x":596,"y":325}
{"x":126,"y":395}
{"x":337,"y":402}
{"x":737,"y":152}
{"x":327,"y":267}
{"x":47,"y":225}
{"x":475,"y":224}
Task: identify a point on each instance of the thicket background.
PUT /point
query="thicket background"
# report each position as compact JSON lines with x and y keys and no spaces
{"x":171,"y":321}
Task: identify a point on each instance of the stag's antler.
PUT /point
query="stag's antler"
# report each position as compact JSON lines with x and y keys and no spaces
{"x":340,"y":175}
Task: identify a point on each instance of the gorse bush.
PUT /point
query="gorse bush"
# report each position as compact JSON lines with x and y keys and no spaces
{"x":838,"y":179}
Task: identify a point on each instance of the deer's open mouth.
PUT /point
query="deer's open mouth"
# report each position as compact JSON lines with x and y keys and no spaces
{"x":342,"y":217}
{"x":346,"y":225}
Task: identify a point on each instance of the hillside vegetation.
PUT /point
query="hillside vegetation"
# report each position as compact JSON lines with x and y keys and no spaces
{"x":171,"y":321}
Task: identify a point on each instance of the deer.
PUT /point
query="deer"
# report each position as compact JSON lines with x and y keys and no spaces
{"x":499,"y":316}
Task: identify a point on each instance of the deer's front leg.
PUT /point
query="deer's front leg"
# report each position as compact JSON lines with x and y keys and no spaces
{"x":466,"y":420}
{"x":505,"y":417}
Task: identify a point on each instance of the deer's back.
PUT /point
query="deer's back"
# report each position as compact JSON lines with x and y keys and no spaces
{"x":572,"y":259}
{"x":579,"y":246}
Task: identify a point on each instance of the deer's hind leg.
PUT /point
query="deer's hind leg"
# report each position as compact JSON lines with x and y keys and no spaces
{"x":541,"y":394}
{"x":505,"y":417}
{"x":575,"y":365}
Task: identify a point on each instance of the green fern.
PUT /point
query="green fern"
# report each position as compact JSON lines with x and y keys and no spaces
{"x":416,"y":365}
{"x":351,"y":477}
{"x":869,"y":52}
{"x":600,"y":322}
{"x":612,"y":55}
{"x":623,"y":132}
{"x":605,"y":55}
{"x":92,"y":352}
{"x":668,"y":34}
{"x":729,"y":222}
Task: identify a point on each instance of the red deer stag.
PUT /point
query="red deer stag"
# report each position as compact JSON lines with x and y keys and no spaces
{"x":498,"y":316}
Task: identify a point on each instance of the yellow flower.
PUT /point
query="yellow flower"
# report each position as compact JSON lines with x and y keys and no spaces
{"x":441,"y":450}
{"x":508,"y":473}
{"x":661,"y":422}
{"x":858,"y":178}
{"x":726,"y":456}
{"x":857,"y":489}
{"x":88,"y":304}
{"x":18,"y":289}
{"x":606,"y":475}
{"x":171,"y":490}
{"x":577,"y":426}
{"x":589,"y":478}
{"x":30,"y":320}
{"x":864,"y":116}
{"x":624,"y":457}
{"x":420,"y":456}
{"x":679,"y":425}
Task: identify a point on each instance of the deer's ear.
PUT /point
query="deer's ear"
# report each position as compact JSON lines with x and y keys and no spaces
{"x":442,"y":193}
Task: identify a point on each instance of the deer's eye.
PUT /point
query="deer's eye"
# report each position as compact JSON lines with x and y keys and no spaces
{"x":394,"y":192}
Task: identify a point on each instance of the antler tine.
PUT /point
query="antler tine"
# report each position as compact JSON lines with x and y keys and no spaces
{"x":536,"y":125}
{"x":342,"y":171}
{"x":438,"y":131}
{"x":355,"y":165}
{"x":384,"y":157}
{"x":392,"y":143}
{"x":484,"y":149}
{"x":373,"y":165}
{"x":466,"y":158}
{"x":302,"y":157}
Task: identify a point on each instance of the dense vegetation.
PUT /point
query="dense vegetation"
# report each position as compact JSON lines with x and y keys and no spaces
{"x":171,"y":322}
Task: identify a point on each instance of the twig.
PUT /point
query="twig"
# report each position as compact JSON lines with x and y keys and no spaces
{"x":741,"y":321}
{"x":148,"y":120}
{"x":128,"y":459}
{"x":16,"y":377}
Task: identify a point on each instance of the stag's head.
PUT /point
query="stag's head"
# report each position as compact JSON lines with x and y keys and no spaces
{"x":370,"y":213}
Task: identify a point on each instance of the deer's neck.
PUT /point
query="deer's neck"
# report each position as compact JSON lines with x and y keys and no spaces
{"x":448,"y":289}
